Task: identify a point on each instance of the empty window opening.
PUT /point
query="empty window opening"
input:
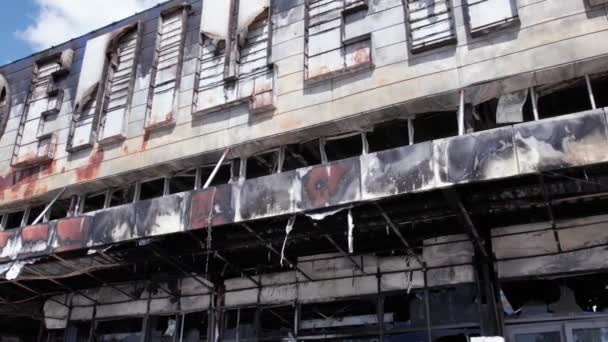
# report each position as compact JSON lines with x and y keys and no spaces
{"x":14,"y":220}
{"x":94,"y":202}
{"x":122,"y":196}
{"x":302,"y":155}
{"x":563,"y":98}
{"x":277,"y":322}
{"x":34,"y":213}
{"x":263,"y":164}
{"x":506,"y":110}
{"x":164,"y":329}
{"x":224,"y":174}
{"x":123,"y":330}
{"x":458,"y":305}
{"x":387,"y":135}
{"x":599,"y":84}
{"x":437,"y":125}
{"x":183,"y":181}
{"x":404,"y":311}
{"x":343,"y":146}
{"x":240,"y":325}
{"x":339,"y":316}
{"x":195,"y":327}
{"x":455,"y":335}
{"x":152,"y":189}
{"x":60,"y":209}
{"x":81,"y":331}
{"x":55,"y":336}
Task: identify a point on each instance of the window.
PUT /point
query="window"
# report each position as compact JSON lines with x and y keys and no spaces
{"x":123,"y":330}
{"x":36,"y":143}
{"x":430,"y":24}
{"x":488,"y":15}
{"x":338,"y":38}
{"x":105,"y":88}
{"x":234,"y":67}
{"x":4,"y":104}
{"x":167,"y":72}
{"x":195,"y":327}
{"x":240,"y":325}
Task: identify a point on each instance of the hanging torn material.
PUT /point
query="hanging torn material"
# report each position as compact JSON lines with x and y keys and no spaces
{"x":510,"y":107}
{"x":16,"y":267}
{"x":249,"y":11}
{"x":318,"y":216}
{"x":288,"y":229}
{"x":351,"y":226}
{"x":170,"y":328}
{"x":215,"y":19}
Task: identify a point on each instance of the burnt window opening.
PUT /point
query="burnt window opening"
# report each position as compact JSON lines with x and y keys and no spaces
{"x":340,"y":316}
{"x":78,"y":331}
{"x":302,"y":155}
{"x":94,"y":202}
{"x":225,"y":174}
{"x":459,"y":305}
{"x":503,"y":111}
{"x":277,"y":322}
{"x":599,"y":84}
{"x":195,"y":327}
{"x":60,"y":209}
{"x":183,"y":181}
{"x":388,"y":135}
{"x":120,"y":330}
{"x":13,"y":220}
{"x":403,"y":310}
{"x":152,"y":189}
{"x":240,"y":322}
{"x":121,"y":196}
{"x":33,"y":214}
{"x":262,"y":164}
{"x":437,"y":125}
{"x":567,"y":97}
{"x":343,"y":146}
{"x":163,"y":329}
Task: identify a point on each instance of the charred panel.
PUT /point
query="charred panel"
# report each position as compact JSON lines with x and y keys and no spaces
{"x":561,"y":142}
{"x":160,"y":216}
{"x":329,"y":184}
{"x":396,"y":171}
{"x":214,"y":205}
{"x":10,"y":244}
{"x":481,"y":156}
{"x":35,"y":240}
{"x":113,"y":225}
{"x":267,"y":196}
{"x":72,"y":233}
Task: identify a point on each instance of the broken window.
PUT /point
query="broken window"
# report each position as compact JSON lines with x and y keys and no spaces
{"x":302,"y":155}
{"x":35,"y":141}
{"x":183,"y":181}
{"x":4,"y":104}
{"x":454,"y":305}
{"x":430,"y":24}
{"x":235,"y":63}
{"x":340,"y":317}
{"x":59,"y":209}
{"x":262,"y":164}
{"x":403,"y":311}
{"x":342,"y":146}
{"x":152,"y":189}
{"x":488,"y":15}
{"x":13,"y":220}
{"x":225,"y":174}
{"x":387,"y":135}
{"x":106,"y":81}
{"x":163,"y":329}
{"x":33,"y":214}
{"x":338,"y":37}
{"x":276,"y":323}
{"x":431,"y":126}
{"x":167,"y":71}
{"x":121,"y":330}
{"x":195,"y":327}
{"x":507,"y":109}
{"x":240,"y":325}
{"x":599,"y":85}
{"x":94,"y":202}
{"x":566,"y":97}
{"x":121,"y":196}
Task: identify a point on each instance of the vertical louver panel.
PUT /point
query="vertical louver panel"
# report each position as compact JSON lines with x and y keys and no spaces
{"x":430,"y":24}
{"x":488,"y":15}
{"x":169,"y":55}
{"x":118,"y":89}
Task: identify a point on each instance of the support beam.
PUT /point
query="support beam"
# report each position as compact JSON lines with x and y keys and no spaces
{"x":58,"y":283}
{"x":453,"y":199}
{"x":395,"y":229}
{"x":169,"y":261}
{"x":274,"y":250}
{"x":237,"y":268}
{"x":343,"y":253}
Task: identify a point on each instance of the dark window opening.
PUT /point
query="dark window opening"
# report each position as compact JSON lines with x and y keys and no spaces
{"x":599,"y":83}
{"x":263,"y":164}
{"x":59,"y":209}
{"x":277,"y":322}
{"x":195,"y":327}
{"x":223,"y":175}
{"x":431,"y":126}
{"x":122,"y":330}
{"x":302,"y":155}
{"x":122,"y":196}
{"x":344,"y":146}
{"x":455,"y":335}
{"x":152,"y":189}
{"x":94,"y":202}
{"x":242,"y":322}
{"x":34,"y":213}
{"x":563,"y":98}
{"x":404,"y":311}
{"x":184,"y":181}
{"x":387,"y":135}
{"x":516,"y":109}
{"x":55,"y":336}
{"x":14,"y":220}
{"x":458,"y":305}
{"x":78,"y":331}
{"x":356,"y":316}
{"x":163,"y":329}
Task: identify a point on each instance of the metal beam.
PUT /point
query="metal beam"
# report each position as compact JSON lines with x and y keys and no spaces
{"x":274,"y":250}
{"x":408,"y":248}
{"x":343,"y":253}
{"x":236,"y":268}
{"x":60,"y":284}
{"x":453,"y":199}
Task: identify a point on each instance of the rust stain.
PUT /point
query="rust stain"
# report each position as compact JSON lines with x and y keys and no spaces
{"x":91,"y":170}
{"x":5,"y":236}
{"x":291,"y":123}
{"x":72,"y":233}
{"x":202,"y":204}
{"x":323,"y":182}
{"x":361,"y":56}
{"x":144,"y":144}
{"x":35,"y":233}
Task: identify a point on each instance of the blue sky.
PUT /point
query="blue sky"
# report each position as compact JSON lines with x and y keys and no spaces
{"x":28,"y":26}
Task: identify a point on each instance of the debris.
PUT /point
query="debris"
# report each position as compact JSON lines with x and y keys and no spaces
{"x":318,"y":216}
{"x":510,"y":107}
{"x":506,"y":305}
{"x":288,"y":229}
{"x":351,"y":226}
{"x":170,"y":328}
{"x":16,"y":267}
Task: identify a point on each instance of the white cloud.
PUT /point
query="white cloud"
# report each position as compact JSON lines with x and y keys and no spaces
{"x":58,"y":21}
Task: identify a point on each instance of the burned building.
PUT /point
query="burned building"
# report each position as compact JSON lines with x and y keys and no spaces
{"x":311,"y":170}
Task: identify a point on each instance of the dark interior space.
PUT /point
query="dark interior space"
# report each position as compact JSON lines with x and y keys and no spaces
{"x":302,"y":155}
{"x":183,"y":181}
{"x":94,"y":202}
{"x":262,"y":164}
{"x":122,"y":196}
{"x":34,"y":213}
{"x":430,"y":126}
{"x":599,"y":83}
{"x":563,"y":98}
{"x":152,"y":189}
{"x":59,"y":209}
{"x":387,"y":135}
{"x":14,"y":220}
{"x":224,"y":174}
{"x":343,"y":146}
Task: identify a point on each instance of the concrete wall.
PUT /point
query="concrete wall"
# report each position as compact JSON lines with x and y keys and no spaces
{"x":546,"y":34}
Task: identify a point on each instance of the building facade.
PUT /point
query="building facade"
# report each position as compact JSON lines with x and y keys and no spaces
{"x":311,"y":170}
